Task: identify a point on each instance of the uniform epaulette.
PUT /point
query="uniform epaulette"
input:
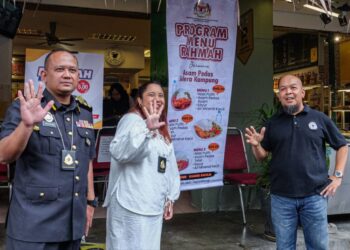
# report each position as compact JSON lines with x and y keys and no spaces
{"x":83,"y":102}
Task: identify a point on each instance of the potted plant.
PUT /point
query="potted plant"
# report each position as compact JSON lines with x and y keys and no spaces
{"x":264,"y":113}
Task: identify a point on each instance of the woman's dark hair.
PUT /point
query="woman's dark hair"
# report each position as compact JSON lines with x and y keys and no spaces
{"x":121,"y":106}
{"x":144,"y":86}
{"x":118,"y":87}
{"x":134,"y":93}
{"x":164,"y":130}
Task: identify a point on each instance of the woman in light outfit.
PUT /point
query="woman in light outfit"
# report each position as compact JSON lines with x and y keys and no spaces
{"x":144,"y":179}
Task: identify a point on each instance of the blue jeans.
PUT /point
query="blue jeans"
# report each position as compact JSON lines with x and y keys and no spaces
{"x":310,"y":211}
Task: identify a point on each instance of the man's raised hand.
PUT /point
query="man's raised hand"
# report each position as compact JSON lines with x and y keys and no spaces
{"x":30,"y":104}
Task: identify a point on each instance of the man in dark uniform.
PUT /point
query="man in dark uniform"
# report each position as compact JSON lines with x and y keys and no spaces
{"x":50,"y":136}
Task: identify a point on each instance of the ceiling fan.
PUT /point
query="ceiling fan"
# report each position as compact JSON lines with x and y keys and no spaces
{"x":52,"y":39}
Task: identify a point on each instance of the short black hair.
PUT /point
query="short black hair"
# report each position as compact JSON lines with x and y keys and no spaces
{"x":118,"y":87}
{"x":55,"y":51}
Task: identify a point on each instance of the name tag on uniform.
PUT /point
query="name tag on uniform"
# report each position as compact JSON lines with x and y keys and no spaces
{"x":68,"y":160}
{"x":161,"y":164}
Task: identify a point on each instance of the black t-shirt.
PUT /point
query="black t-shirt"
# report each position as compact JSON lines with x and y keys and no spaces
{"x":298,"y":146}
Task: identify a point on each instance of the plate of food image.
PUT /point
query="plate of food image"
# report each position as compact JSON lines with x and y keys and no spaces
{"x":206,"y":129}
{"x":182,"y":160}
{"x":181,"y":99}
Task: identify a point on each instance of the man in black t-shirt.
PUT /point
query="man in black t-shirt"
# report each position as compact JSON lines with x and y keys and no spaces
{"x":300,"y":184}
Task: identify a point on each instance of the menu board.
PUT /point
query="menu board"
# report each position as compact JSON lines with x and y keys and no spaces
{"x":201,"y":52}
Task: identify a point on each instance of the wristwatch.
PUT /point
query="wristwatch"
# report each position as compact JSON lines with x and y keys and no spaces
{"x":338,"y":174}
{"x":93,"y":203}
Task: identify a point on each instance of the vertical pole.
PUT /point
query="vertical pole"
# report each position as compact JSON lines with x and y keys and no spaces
{"x":5,"y":74}
{"x":159,"y":55}
{"x":331,"y":74}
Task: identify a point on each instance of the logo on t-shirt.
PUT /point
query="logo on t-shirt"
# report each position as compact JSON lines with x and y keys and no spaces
{"x":313,"y":125}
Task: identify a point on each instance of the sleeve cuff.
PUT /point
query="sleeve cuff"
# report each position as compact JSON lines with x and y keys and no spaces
{"x":150,"y":133}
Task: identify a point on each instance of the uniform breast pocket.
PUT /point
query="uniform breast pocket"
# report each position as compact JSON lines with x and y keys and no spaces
{"x":86,"y":136}
{"x":50,"y":140}
{"x":314,"y":134}
{"x":42,"y":194}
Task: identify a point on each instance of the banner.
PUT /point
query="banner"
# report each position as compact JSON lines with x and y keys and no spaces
{"x":90,"y":85}
{"x":201,"y":39}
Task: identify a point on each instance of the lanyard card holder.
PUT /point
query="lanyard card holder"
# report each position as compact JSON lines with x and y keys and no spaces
{"x":68,"y":159}
{"x":161,"y":164}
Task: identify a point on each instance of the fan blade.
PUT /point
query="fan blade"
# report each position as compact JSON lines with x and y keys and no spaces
{"x":53,"y":28}
{"x":71,"y":39}
{"x":65,"y":43}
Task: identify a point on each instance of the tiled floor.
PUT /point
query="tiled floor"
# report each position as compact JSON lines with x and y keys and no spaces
{"x":207,"y":231}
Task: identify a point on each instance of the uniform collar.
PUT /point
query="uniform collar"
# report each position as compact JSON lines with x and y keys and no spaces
{"x":57,"y":105}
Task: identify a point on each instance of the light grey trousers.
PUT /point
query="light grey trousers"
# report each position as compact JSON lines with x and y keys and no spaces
{"x":127,"y":230}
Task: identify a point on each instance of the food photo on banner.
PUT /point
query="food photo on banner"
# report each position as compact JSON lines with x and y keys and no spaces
{"x":90,"y":77}
{"x":201,"y":47}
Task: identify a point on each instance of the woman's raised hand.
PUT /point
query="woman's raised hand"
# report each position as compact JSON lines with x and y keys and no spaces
{"x":30,"y":104}
{"x":153,"y":116}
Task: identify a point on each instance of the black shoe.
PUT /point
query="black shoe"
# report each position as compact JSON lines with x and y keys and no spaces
{"x":270,"y":236}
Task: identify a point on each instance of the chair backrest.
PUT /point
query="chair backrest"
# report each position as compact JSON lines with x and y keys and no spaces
{"x":102,"y":162}
{"x":235,"y":153}
{"x":4,"y":174}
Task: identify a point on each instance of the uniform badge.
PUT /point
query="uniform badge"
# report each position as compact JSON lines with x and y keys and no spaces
{"x":161,"y":164}
{"x":68,"y":160}
{"x":48,"y":117}
{"x":312,"y":125}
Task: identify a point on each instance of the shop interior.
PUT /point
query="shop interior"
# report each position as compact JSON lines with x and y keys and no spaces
{"x":316,"y":48}
{"x":122,"y":36}
{"x":321,"y":60}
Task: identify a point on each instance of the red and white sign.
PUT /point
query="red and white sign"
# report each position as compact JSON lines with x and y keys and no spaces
{"x":83,"y":86}
{"x":201,"y":39}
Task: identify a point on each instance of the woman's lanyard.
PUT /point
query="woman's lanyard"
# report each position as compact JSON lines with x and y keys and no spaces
{"x":68,"y":156}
